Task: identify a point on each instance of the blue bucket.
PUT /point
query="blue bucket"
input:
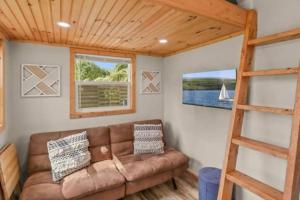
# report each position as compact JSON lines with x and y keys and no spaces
{"x":209,"y":181}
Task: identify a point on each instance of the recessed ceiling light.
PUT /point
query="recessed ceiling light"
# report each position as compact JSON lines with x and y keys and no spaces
{"x":163,"y":41}
{"x":63,"y":24}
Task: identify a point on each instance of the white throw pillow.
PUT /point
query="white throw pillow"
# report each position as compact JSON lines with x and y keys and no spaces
{"x":68,"y":155}
{"x":148,"y":139}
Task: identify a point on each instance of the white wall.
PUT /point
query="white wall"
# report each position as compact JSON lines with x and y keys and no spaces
{"x":201,"y":132}
{"x":31,"y":115}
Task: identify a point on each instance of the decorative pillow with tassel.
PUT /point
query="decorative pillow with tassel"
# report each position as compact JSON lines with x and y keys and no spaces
{"x":68,"y":155}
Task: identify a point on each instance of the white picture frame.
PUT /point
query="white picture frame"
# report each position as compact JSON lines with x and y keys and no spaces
{"x":150,"y":82}
{"x":40,"y":80}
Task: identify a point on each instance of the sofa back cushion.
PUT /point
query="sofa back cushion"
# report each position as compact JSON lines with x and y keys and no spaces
{"x":121,"y":136}
{"x":99,"y":147}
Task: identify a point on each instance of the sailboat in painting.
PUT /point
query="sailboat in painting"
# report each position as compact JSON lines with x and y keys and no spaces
{"x":224,"y":96}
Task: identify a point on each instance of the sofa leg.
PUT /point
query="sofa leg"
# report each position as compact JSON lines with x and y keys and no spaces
{"x":174,"y":184}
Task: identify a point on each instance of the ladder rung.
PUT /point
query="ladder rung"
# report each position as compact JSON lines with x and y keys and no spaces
{"x":262,"y":147}
{"x":282,"y":111}
{"x":272,"y":72}
{"x":278,"y":37}
{"x":261,"y":189}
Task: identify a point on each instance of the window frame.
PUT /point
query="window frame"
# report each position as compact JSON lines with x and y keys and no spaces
{"x":74,"y":114}
{"x":2,"y":87}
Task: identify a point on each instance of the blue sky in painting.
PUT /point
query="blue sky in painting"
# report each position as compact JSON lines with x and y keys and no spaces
{"x":222,"y":74}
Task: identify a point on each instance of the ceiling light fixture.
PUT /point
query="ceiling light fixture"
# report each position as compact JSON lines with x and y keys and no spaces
{"x":63,"y":24}
{"x":163,"y":41}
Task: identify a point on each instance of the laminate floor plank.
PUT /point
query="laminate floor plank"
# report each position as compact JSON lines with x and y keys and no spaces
{"x":187,"y":190}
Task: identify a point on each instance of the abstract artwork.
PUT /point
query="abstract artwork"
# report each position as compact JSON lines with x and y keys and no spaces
{"x":211,"y":89}
{"x":40,"y":80}
{"x":150,"y":82}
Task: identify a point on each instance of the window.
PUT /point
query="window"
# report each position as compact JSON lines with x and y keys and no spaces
{"x":101,"y":83}
{"x":1,"y":84}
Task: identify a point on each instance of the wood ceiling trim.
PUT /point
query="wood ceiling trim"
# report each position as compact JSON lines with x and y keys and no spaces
{"x":89,"y":47}
{"x":149,"y":53}
{"x":219,"y":39}
{"x":219,"y":10}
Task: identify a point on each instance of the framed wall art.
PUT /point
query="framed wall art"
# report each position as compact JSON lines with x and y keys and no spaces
{"x":150,"y":82}
{"x":40,"y":80}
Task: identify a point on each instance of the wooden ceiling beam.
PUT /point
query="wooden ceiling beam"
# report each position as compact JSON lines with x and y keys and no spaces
{"x":219,"y":10}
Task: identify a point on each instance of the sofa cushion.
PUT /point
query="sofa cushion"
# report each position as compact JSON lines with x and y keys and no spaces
{"x":121,"y":136}
{"x":135,"y":167}
{"x":38,"y":154}
{"x":98,"y":177}
{"x":68,"y":155}
{"x":40,"y":186}
{"x":148,"y":139}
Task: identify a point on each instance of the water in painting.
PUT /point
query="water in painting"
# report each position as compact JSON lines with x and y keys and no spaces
{"x":212,"y":88}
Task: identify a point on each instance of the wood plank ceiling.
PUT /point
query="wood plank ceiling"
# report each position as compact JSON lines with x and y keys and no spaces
{"x":131,"y":25}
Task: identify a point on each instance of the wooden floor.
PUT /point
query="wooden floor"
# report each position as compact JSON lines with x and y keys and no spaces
{"x":187,"y":190}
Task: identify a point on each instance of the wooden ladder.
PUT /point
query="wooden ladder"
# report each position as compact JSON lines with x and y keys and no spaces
{"x":230,"y":175}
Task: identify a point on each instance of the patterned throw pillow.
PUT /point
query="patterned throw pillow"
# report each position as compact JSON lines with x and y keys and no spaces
{"x":148,"y":139}
{"x":68,"y":155}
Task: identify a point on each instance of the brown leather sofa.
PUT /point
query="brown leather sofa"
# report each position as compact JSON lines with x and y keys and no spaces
{"x":114,"y":171}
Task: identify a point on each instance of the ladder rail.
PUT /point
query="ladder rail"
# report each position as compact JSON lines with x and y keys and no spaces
{"x":225,"y":189}
{"x":292,"y":184}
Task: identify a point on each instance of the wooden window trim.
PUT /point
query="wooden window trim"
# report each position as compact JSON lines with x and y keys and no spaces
{"x":75,"y":114}
{"x":2,"y":87}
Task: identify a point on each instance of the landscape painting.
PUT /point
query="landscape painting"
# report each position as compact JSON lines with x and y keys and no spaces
{"x":211,"y":89}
